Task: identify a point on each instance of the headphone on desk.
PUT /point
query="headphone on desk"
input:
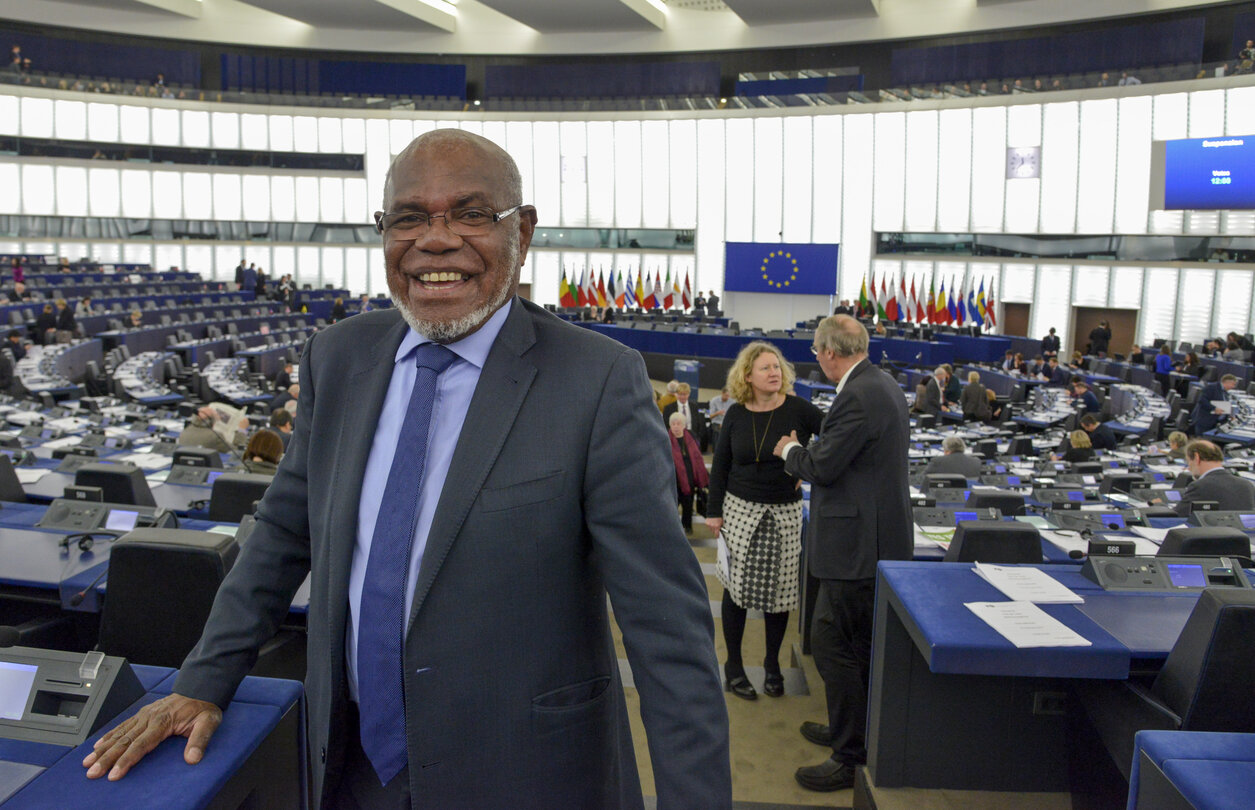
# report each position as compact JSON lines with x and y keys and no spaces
{"x":86,"y":540}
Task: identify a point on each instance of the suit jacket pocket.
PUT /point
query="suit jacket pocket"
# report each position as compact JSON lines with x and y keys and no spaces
{"x":839,"y":510}
{"x":571,"y":706}
{"x":536,"y":490}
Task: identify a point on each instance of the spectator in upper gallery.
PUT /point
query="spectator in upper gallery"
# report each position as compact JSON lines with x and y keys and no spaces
{"x":1233,"y":352}
{"x":1004,"y":89}
{"x":1019,"y":87}
{"x":1243,"y":341}
{"x":983,"y":90}
{"x":1038,"y":86}
{"x":1100,"y":338}
{"x":1104,"y":80}
{"x":1050,"y":344}
{"x":1128,"y":79}
{"x":1083,"y":397}
{"x":15,"y":61}
{"x":161,"y":80}
{"x":1058,"y":84}
{"x":1247,"y":54}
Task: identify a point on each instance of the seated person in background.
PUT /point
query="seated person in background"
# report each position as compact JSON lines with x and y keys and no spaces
{"x":954,"y":460}
{"x":1078,"y":362}
{"x":880,"y":329}
{"x":1055,"y":375}
{"x":65,"y":319}
{"x":338,"y":312}
{"x":1192,"y":365}
{"x":1036,"y":367}
{"x":281,"y":424}
{"x":1079,"y":448}
{"x":996,"y":408}
{"x":1176,"y":445}
{"x":607,"y":315}
{"x":46,"y":326}
{"x":921,"y":394}
{"x":690,"y":468}
{"x":261,"y":456}
{"x":1211,"y":349}
{"x":1009,"y":362}
{"x":1082,"y":396}
{"x":973,"y":400}
{"x":16,"y":345}
{"x":954,"y":389}
{"x":669,"y":397}
{"x":85,"y":307}
{"x":137,"y":319}
{"x":1136,"y":356}
{"x":1101,"y":437}
{"x":1205,"y":415}
{"x":285,"y":396}
{"x":1244,"y":343}
{"x":284,"y":378}
{"x":1212,"y":482}
{"x":200,"y":432}
{"x":1020,"y":365}
{"x":1233,"y":352}
{"x":363,"y":305}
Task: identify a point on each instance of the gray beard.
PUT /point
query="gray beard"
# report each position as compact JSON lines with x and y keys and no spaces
{"x":454,"y":330}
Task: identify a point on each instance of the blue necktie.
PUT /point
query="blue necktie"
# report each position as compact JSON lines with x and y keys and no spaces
{"x":381,"y":626}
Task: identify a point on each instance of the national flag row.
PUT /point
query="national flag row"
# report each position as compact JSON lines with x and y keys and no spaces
{"x":593,"y":290}
{"x":953,"y":308}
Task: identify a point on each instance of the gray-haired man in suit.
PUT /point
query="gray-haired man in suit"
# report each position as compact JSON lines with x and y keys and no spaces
{"x":1212,"y":482}
{"x":547,"y":483}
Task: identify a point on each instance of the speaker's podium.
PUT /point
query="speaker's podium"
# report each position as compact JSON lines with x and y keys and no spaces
{"x":54,"y":705}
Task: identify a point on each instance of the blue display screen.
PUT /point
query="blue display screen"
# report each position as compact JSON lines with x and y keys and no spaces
{"x":1114,"y":520}
{"x":1173,"y":494}
{"x":1013,"y":480}
{"x":1248,"y":521}
{"x":1000,"y":468}
{"x":964,"y":516}
{"x":213,"y":476}
{"x":1158,"y":478}
{"x":1209,"y":173}
{"x":1186,"y":576}
{"x":1076,"y":495}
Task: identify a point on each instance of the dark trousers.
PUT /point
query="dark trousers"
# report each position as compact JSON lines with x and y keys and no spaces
{"x":841,"y":641}
{"x":686,"y":510}
{"x":359,"y":787}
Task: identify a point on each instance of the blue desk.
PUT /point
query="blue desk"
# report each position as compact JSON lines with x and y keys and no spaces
{"x":1206,"y":770}
{"x":258,"y":753}
{"x":984,"y":349}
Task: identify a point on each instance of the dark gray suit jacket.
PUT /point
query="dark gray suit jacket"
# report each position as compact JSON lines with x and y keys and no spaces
{"x":561,"y":489}
{"x":1221,"y":486}
{"x":963,"y":464}
{"x":932,"y":398}
{"x":860,"y":498}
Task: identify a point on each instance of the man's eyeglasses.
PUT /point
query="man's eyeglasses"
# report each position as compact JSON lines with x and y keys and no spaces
{"x":468,"y":221}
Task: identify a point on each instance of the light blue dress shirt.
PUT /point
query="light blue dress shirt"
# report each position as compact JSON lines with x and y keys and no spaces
{"x":454,"y":390}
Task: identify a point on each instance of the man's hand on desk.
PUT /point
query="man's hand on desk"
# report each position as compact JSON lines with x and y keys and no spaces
{"x":784,"y":442}
{"x":119,"y":750}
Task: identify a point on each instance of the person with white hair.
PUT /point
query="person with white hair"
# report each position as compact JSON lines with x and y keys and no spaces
{"x":954,"y":459}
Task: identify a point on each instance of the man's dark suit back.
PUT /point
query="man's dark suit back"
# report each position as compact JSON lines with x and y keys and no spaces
{"x":1221,"y":486}
{"x":1204,"y":417}
{"x":932,"y":397}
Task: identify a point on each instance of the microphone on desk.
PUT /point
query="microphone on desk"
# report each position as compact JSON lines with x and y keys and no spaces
{"x":9,"y":636}
{"x":1076,"y":554}
{"x":76,"y":599}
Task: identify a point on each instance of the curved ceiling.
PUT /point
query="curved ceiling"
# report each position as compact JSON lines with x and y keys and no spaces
{"x":549,"y":27}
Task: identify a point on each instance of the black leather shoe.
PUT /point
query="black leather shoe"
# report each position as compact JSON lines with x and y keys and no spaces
{"x":817,"y":733}
{"x":826,"y":776}
{"x":741,"y":687}
{"x":773,"y":684}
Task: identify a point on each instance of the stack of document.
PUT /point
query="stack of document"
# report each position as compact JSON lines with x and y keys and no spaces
{"x":1024,"y":584}
{"x":1026,"y":625}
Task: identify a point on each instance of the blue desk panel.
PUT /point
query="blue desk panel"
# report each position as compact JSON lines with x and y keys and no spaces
{"x":1212,"y":770}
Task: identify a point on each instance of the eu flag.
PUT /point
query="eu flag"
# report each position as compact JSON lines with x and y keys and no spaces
{"x":796,"y":269}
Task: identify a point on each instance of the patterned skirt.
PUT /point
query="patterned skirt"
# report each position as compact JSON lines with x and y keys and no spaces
{"x":764,"y":543}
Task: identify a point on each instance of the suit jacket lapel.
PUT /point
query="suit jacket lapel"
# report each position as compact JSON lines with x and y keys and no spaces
{"x":503,"y":385}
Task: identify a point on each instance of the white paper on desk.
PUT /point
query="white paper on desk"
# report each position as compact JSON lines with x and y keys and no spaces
{"x":1070,"y":541}
{"x":147,"y":461}
{"x":29,"y":475}
{"x":933,"y":536}
{"x":68,"y":441}
{"x":1026,"y":625}
{"x":1165,"y":469}
{"x":1222,"y":405}
{"x":1156,"y":536}
{"x":1023,"y":584}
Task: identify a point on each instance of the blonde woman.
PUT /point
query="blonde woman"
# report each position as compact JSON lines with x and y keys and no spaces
{"x":758,"y":507}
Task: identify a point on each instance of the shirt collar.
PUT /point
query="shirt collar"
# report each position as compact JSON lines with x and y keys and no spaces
{"x":846,"y":376}
{"x":473,"y":348}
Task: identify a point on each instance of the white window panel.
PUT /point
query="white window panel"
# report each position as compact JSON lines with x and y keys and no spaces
{"x":1233,"y":302}
{"x":1126,"y":287}
{"x":423,"y":127}
{"x":356,"y":270}
{"x":283,"y":261}
{"x":198,"y":193}
{"x":1238,"y":223}
{"x":476,"y":127}
{"x":102,"y":122}
{"x":683,"y":178}
{"x":228,"y":202}
{"x":225,"y":130}
{"x":331,"y":199}
{"x":307,"y":208}
{"x":768,"y":167}
{"x":281,"y":133}
{"x":799,"y":177}
{"x":1239,"y":111}
{"x":102,"y":193}
{"x":332,"y":269}
{"x":1051,"y":302}
{"x":1167,"y":222}
{"x":989,"y":168}
{"x":708,"y":241}
{"x":546,"y":268}
{"x":255,"y":190}
{"x":856,"y":219}
{"x":283,"y":198}
{"x":10,"y":118}
{"x":133,"y":124}
{"x":225,"y":259}
{"x":826,"y":219}
{"x":74,"y":251}
{"x":305,"y":133}
{"x":628,"y":198}
{"x":1023,"y":199}
{"x":547,"y":164}
{"x":1090,"y":286}
{"x":261,"y":255}
{"x":198,"y":259}
{"x":1170,"y":120}
{"x":71,"y":120}
{"x":573,"y":146}
{"x":1207,"y":117}
{"x":890,"y":171}
{"x":38,"y":194}
{"x":165,"y":126}
{"x":1133,"y":165}
{"x":922,"y":139}
{"x":167,"y":195}
{"x":330,"y":135}
{"x":1018,"y":283}
{"x":39,"y":249}
{"x":1061,"y":125}
{"x":655,"y":174}
{"x":378,"y":156}
{"x":309,"y":264}
{"x":71,"y":191}
{"x":1159,"y":305}
{"x":1194,"y":307}
{"x":1202,"y":222}
{"x":378,"y":273}
{"x":106,"y":252}
{"x":518,"y":138}
{"x":1024,"y":125}
{"x":353,"y":140}
{"x":400,"y":133}
{"x":168,"y":256}
{"x":357,"y":209}
{"x":196,"y":128}
{"x":137,"y":253}
{"x":11,"y":197}
{"x":255,"y":131}
{"x":36,"y":118}
{"x":600,"y":174}
{"x":1096,"y":190}
{"x":739,"y":180}
{"x":954,"y":171}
